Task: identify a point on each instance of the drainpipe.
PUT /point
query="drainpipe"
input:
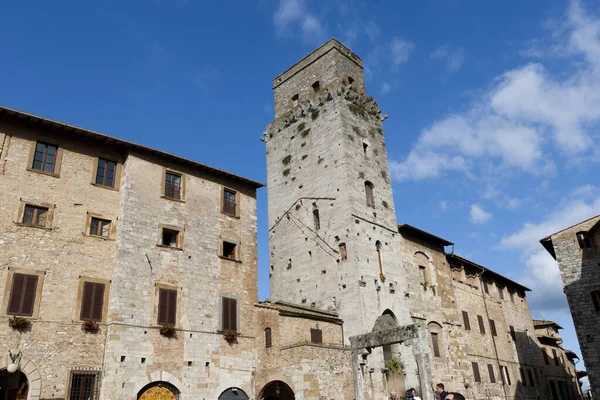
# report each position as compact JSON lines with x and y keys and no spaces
{"x":493,"y":340}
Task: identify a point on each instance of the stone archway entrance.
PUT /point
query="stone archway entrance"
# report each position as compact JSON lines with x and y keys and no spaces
{"x":233,"y":394}
{"x":158,"y":391}
{"x":13,"y":386}
{"x":277,"y":390}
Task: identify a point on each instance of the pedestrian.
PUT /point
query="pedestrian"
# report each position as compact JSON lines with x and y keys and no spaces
{"x":440,"y":390}
{"x":454,"y":396}
{"x":393,"y":395}
{"x":412,"y":394}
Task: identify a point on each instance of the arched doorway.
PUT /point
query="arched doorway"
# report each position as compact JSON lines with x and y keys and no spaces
{"x":276,"y":390}
{"x":233,"y":393}
{"x":158,"y":391}
{"x":13,"y":386}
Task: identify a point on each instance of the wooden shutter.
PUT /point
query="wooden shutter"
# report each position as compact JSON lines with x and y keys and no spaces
{"x":436,"y":346}
{"x":22,"y":295}
{"x":476,"y":372}
{"x":491,"y":371}
{"x":268,"y":338}
{"x":481,"y":325}
{"x":466,"y":321}
{"x":316,"y":336}
{"x":493,"y":327}
{"x":167,"y":306}
{"x":229,"y":314}
{"x":92,"y":302}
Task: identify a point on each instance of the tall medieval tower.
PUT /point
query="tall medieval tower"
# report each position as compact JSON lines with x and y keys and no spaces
{"x":333,"y":238}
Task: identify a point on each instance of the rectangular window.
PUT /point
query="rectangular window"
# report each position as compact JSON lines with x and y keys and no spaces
{"x":229,"y":314}
{"x":167,"y":306}
{"x":513,"y":334}
{"x":596,"y":299}
{"x":22,"y":295}
{"x":435,"y":343}
{"x":493,"y":327}
{"x":229,"y":250}
{"x":555,"y":356}
{"x":501,"y":292}
{"x":100,"y":227}
{"x":33,"y":215}
{"x":84,"y":385}
{"x":530,"y":376}
{"x":316,"y":219}
{"x":512,"y":296}
{"x":553,"y":389}
{"x":546,"y":360}
{"x":585,"y":241}
{"x":170,"y":238}
{"x":481,"y":325}
{"x":523,"y":381}
{"x":230,"y":202}
{"x":505,"y":376}
{"x":92,"y":302}
{"x":485,"y":287}
{"x":466,"y":321}
{"x":476,"y":372}
{"x":106,"y":173}
{"x":492,"y":375}
{"x":422,"y":274}
{"x":173,"y":185}
{"x":316,"y":336}
{"x":343,"y":251}
{"x":268,"y":343}
{"x":44,"y":158}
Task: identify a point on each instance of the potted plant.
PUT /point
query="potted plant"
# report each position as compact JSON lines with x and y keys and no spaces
{"x":168,"y":330}
{"x":230,"y":336}
{"x":394,"y":366}
{"x":19,"y":323}
{"x":90,"y":326}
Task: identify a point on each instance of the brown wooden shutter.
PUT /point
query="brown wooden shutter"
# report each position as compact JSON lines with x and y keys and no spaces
{"x":22,"y":297}
{"x":493,"y":327}
{"x":476,"y":372}
{"x":481,"y":325}
{"x":225,"y":313}
{"x":87,"y":301}
{"x":98,"y":303}
{"x":16,"y":292}
{"x":172,"y":307}
{"x":163,"y":301}
{"x":316,"y":336}
{"x":29,"y":295}
{"x":466,"y":321}
{"x":233,"y":314}
{"x":491,"y":371}
{"x":268,"y":338}
{"x":436,"y":346}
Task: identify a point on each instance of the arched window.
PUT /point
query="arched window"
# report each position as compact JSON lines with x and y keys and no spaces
{"x":369,"y":194}
{"x":435,"y":335}
{"x":378,"y":248}
{"x":316,"y":86}
{"x":422,"y":261}
{"x":268,"y":338}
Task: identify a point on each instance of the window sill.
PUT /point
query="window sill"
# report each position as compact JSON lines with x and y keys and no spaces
{"x":162,"y":246}
{"x":230,"y":215}
{"x":105,"y":187}
{"x":37,"y":171}
{"x":230,"y":259}
{"x":172,"y":199}
{"x":25,"y":225}
{"x":109,"y":239}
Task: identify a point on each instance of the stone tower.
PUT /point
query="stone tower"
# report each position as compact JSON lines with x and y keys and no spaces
{"x":333,"y":238}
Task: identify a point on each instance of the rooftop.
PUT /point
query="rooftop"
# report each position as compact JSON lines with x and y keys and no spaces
{"x":547,"y":241}
{"x":484,"y":269}
{"x":426,"y":236}
{"x":540,"y":323}
{"x":113,"y":141}
{"x":296,"y":310}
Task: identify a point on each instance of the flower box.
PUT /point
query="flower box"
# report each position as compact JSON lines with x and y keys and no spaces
{"x":168,"y":331}
{"x":90,"y":326}
{"x":19,"y":324}
{"x":231,"y":336}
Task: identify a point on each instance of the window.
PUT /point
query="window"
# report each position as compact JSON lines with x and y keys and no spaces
{"x":84,"y":385}
{"x":378,"y":248}
{"x":106,"y":173}
{"x":44,"y":158}
{"x":523,"y":381}
{"x":422,"y":274}
{"x":466,"y":321}
{"x":350,"y":80}
{"x":435,"y":344}
{"x":170,"y":238}
{"x":546,"y":360}
{"x":100,"y":227}
{"x":343,"y":252}
{"x":268,"y":338}
{"x":92,"y":302}
{"x":596,"y":299}
{"x":22,"y":295}
{"x":476,"y":372}
{"x":173,"y":185}
{"x":229,"y":250}
{"x":501,"y":292}
{"x":316,"y":220}
{"x":505,"y":375}
{"x":316,"y":86}
{"x":481,"y":325}
{"x":369,"y":194}
{"x":229,"y":314}
{"x":365,"y":147}
{"x":295,"y":100}
{"x":493,"y":327}
{"x":585,"y":241}
{"x":316,"y":336}
{"x":513,"y":334}
{"x":34,"y":215}
{"x":553,"y":388}
{"x":530,"y":376}
{"x":485,"y":287}
{"x":512,"y":296}
{"x":167,"y":306}
{"x":491,"y":371}
{"x":555,"y":356}
{"x":230,"y":202}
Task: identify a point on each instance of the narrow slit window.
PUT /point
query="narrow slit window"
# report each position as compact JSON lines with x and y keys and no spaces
{"x":369,"y":194}
{"x":585,"y":241}
{"x":435,"y":344}
{"x":295,"y":100}
{"x":170,"y":238}
{"x":173,"y":185}
{"x":268,"y":343}
{"x":467,"y":324}
{"x":513,"y":334}
{"x":522,"y":373}
{"x":501,"y":292}
{"x":485,"y":287}
{"x":100,"y":227}
{"x":106,"y":172}
{"x":343,"y":251}
{"x":476,"y":374}
{"x":493,"y":327}
{"x":33,"y":215}
{"x":316,"y":219}
{"x":530,"y":376}
{"x":44,"y":158}
{"x":378,"y":248}
{"x":422,"y":274}
{"x":365,"y":147}
{"x":229,"y":250}
{"x":596,"y":299}
{"x":481,"y":325}
{"x":546,"y":360}
{"x":316,"y":86}
{"x":492,"y":375}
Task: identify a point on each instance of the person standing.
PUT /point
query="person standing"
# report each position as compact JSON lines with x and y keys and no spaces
{"x":441,"y":391}
{"x":393,"y":395}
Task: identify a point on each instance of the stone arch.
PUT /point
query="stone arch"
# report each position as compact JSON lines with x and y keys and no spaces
{"x":387,"y":320}
{"x":276,"y":390}
{"x":30,"y":370}
{"x":436,"y":338}
{"x":233,"y":393}
{"x":423,"y":262}
{"x":157,"y":376}
{"x":158,"y":390}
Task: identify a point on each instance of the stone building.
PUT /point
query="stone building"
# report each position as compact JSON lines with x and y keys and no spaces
{"x":561,"y":373}
{"x":109,"y":248}
{"x":576,"y":250}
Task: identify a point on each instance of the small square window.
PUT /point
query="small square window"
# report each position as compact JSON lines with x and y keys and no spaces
{"x":316,"y":336}
{"x":44,"y":158}
{"x":106,"y":172}
{"x":170,"y":238}
{"x":173,"y":185}
{"x":34,"y":215}
{"x":100,"y":227}
{"x":229,"y":202}
{"x":229,"y":250}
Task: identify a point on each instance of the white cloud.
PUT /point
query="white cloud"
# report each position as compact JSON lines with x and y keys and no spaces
{"x":527,"y":118}
{"x":454,"y":57}
{"x":385,"y":88}
{"x":401,"y":50}
{"x":294,"y":12}
{"x":443,"y":204}
{"x":478,"y":215}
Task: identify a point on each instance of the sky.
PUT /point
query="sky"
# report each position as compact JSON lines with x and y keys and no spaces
{"x":494,"y":107}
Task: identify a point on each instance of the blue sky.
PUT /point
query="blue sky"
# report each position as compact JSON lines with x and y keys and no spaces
{"x":494,"y":106}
